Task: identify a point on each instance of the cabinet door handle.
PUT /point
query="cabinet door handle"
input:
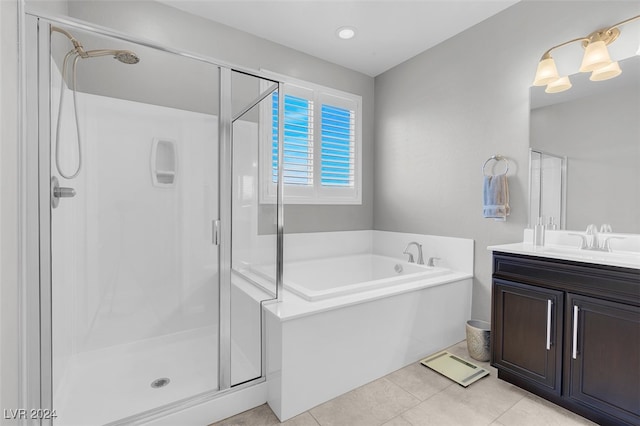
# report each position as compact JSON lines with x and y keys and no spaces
{"x":574,"y":352}
{"x":549,"y":305}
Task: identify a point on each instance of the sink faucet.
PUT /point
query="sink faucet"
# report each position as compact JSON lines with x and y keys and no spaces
{"x":420,"y":258}
{"x":592,"y":240}
{"x":594,"y":244}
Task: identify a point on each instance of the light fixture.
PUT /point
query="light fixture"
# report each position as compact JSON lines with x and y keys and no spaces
{"x":559,"y":85}
{"x":547,"y":71}
{"x":596,"y":56}
{"x":596,"y":59}
{"x":605,"y":73}
{"x":346,"y":33}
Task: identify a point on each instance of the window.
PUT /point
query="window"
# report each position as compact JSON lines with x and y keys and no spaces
{"x":322,"y":146}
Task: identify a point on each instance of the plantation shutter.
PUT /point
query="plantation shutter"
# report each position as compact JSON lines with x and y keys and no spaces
{"x":337,"y":161}
{"x":298,"y":143}
{"x":321,"y":146}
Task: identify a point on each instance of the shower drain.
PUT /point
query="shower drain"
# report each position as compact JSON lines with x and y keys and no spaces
{"x":159,"y":383}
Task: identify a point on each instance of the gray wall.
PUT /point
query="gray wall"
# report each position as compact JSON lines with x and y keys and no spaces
{"x":171,"y":27}
{"x":441,"y":114}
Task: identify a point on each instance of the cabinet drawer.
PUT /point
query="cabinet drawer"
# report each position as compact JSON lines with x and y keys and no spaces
{"x":606,"y":282}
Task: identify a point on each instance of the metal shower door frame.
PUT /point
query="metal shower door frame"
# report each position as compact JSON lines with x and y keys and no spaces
{"x":35,"y":329}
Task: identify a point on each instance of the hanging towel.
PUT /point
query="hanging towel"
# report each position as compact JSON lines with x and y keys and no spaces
{"x":496,"y":197}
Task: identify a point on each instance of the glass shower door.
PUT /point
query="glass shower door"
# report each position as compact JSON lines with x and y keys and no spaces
{"x":254,"y":220}
{"x":135,"y":270}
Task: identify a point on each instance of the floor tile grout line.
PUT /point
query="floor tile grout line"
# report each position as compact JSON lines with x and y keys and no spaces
{"x":314,"y":417}
{"x":512,"y":405}
{"x":416,"y":396}
{"x":421,"y":402}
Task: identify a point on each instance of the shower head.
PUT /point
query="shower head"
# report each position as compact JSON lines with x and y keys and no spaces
{"x":126,"y":57}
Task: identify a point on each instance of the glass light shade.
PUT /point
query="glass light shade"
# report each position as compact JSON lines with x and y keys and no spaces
{"x":596,"y":55}
{"x":605,"y":73}
{"x":560,"y":85}
{"x":546,"y":72}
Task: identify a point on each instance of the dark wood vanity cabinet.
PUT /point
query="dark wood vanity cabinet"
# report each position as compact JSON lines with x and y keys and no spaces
{"x":529,"y":337}
{"x":604,"y":356}
{"x":569,"y":332}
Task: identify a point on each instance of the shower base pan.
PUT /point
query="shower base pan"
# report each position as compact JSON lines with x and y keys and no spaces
{"x":457,"y":369}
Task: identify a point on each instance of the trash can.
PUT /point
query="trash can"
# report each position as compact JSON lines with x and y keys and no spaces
{"x":478,"y":340}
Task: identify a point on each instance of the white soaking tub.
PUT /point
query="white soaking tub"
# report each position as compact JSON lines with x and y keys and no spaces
{"x":354,"y":310}
{"x":319,"y":279}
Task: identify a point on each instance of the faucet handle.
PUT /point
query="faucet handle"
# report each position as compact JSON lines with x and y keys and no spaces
{"x":585,"y":241}
{"x":592,"y":229}
{"x":606,"y":228}
{"x":606,"y":245}
{"x":431,"y":261}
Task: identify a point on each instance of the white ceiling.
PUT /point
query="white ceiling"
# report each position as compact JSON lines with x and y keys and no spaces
{"x":388,"y":32}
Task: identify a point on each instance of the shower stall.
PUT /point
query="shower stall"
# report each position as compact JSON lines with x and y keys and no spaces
{"x":148,"y":221}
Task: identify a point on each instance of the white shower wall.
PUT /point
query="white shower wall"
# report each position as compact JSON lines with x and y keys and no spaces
{"x":132,"y":261}
{"x":149,"y":248}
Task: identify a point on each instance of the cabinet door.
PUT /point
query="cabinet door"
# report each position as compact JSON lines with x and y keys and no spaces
{"x":527,"y":333}
{"x":603,"y":351}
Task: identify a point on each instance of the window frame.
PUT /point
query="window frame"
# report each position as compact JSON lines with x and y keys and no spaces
{"x":315,"y":193}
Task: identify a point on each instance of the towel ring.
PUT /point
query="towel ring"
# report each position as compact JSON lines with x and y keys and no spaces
{"x":496,"y":158}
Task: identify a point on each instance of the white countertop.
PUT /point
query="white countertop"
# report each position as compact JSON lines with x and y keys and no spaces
{"x":620,"y":258}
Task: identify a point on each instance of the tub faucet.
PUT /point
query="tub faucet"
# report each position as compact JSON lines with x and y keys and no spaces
{"x":420,"y":258}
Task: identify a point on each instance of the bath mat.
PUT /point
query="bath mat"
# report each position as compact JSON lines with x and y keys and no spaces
{"x":457,"y":369}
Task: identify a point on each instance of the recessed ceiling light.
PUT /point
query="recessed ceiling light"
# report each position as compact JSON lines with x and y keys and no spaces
{"x":346,"y":33}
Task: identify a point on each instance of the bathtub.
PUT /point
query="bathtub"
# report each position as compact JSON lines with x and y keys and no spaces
{"x":355,"y":310}
{"x":319,"y":279}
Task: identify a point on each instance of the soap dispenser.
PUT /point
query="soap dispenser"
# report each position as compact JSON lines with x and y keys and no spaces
{"x":538,"y":233}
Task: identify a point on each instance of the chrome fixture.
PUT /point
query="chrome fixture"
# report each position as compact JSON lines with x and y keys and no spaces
{"x":78,"y":52}
{"x":420,"y":258}
{"x":58,"y":192}
{"x":596,"y":59}
{"x":124,"y":56}
{"x":497,"y":158}
{"x":160,"y":383}
{"x":594,"y":241}
{"x":431,"y":261}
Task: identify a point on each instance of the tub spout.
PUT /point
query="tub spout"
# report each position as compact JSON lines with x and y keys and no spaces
{"x":420,"y":258}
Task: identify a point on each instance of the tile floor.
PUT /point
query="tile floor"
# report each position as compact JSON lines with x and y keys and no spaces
{"x":415,"y":395}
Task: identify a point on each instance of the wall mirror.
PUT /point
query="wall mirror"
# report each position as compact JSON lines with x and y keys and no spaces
{"x":587,"y":142}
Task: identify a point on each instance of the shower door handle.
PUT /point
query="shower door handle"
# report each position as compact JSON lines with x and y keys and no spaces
{"x":64,"y":192}
{"x":216,"y":232}
{"x":58,"y":192}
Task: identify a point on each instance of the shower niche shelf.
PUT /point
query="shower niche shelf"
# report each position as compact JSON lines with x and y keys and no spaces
{"x":164,"y":162}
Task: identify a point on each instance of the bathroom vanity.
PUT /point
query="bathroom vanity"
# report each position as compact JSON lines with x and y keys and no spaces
{"x":568,"y":330}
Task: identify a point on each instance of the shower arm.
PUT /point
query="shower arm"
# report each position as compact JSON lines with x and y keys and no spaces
{"x":76,"y":44}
